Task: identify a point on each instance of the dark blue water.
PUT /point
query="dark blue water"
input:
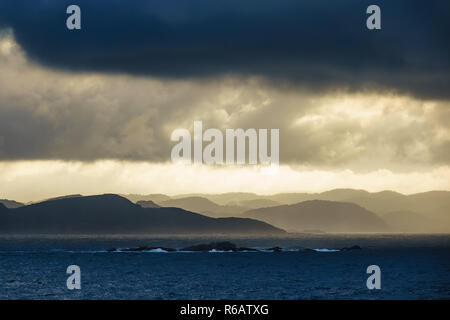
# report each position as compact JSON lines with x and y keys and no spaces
{"x":412,"y":267}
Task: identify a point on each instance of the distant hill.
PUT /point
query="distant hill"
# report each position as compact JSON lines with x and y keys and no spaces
{"x":255,"y":203}
{"x":112,"y":214}
{"x":55,"y":198}
{"x":147,"y":204}
{"x":328,"y":216}
{"x":340,"y":195}
{"x":11,"y":204}
{"x":433,"y":205}
{"x":220,"y":198}
{"x":156,"y":197}
{"x":428,"y":204}
{"x":226,"y":198}
{"x":204,"y":206}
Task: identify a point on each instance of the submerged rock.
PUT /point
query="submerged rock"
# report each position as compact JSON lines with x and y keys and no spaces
{"x":224,"y":246}
{"x":355,"y":247}
{"x":246,"y":249}
{"x":141,"y":248}
{"x":220,"y":246}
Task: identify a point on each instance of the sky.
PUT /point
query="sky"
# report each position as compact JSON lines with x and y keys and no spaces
{"x":92,"y":110}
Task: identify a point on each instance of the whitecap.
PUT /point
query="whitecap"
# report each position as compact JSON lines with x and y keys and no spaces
{"x":326,"y":250}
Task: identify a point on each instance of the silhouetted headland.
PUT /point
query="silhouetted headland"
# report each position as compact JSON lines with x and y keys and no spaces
{"x":113,"y":214}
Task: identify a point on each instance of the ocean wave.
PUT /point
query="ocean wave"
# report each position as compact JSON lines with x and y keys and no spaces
{"x":326,"y":250}
{"x":145,"y":249}
{"x":157,"y":250}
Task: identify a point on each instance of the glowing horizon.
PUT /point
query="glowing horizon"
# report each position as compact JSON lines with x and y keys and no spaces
{"x":37,"y":180}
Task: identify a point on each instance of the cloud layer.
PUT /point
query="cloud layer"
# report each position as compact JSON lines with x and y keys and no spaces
{"x":320,"y":45}
{"x":60,"y":115}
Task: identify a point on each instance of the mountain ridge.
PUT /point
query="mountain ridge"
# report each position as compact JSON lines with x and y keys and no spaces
{"x":328,"y":216}
{"x":434,"y":205}
{"x":113,"y":214}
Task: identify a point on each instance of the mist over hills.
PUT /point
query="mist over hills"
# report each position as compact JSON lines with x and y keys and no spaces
{"x":339,"y":210}
{"x":112,"y":214}
{"x":204,"y":206}
{"x":328,"y":216}
{"x":156,"y":198}
{"x":433,"y":207}
{"x":147,"y":204}
{"x":379,"y":202}
{"x":407,"y":221}
{"x":255,"y":203}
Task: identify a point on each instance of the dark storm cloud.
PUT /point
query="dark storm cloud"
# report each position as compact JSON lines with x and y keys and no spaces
{"x":316,"y":44}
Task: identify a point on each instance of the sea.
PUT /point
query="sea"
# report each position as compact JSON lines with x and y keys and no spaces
{"x":309,"y":266}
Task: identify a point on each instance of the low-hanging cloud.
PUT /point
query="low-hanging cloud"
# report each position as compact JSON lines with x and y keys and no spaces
{"x":60,"y":115}
{"x":320,"y":45}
